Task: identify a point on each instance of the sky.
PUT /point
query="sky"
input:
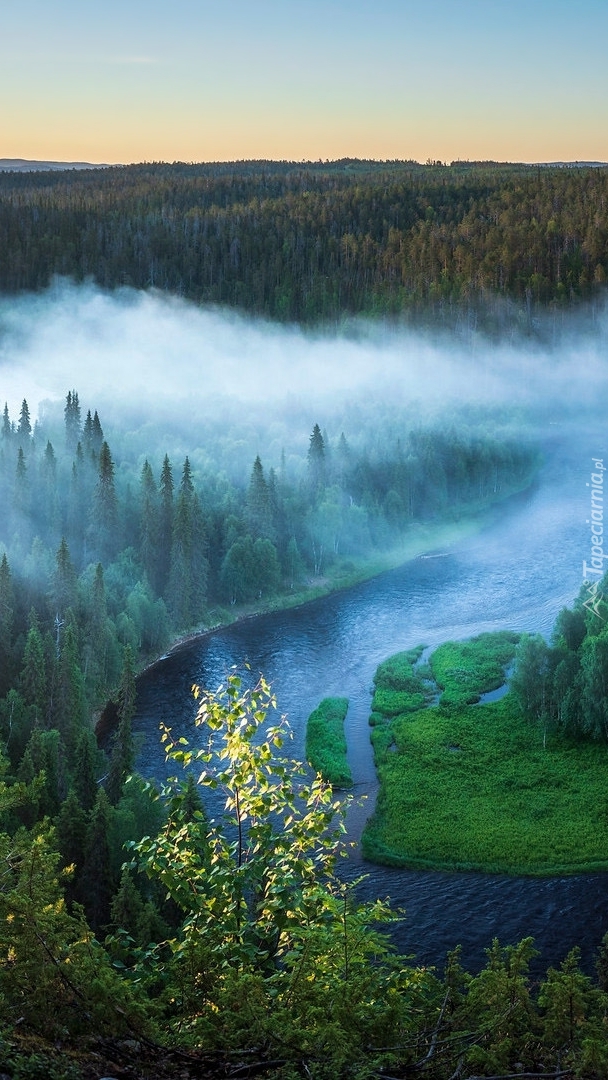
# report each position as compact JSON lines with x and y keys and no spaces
{"x":211,"y":80}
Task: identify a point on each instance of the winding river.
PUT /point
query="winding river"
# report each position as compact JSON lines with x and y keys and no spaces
{"x":515,"y":574}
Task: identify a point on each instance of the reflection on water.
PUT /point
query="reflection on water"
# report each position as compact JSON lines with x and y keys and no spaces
{"x":517,"y":574}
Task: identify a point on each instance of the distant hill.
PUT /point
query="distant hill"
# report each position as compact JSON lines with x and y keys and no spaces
{"x":574,"y":164}
{"x":23,"y":165}
{"x":26,"y":165}
{"x":306,"y":242}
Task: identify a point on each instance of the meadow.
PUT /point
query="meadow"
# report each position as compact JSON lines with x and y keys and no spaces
{"x":469,"y":786}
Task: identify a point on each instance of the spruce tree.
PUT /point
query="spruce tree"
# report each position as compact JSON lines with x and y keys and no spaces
{"x":87,"y":434}
{"x":123,"y":752}
{"x":316,"y":463}
{"x":96,"y":434}
{"x":85,"y":770}
{"x":64,"y":583}
{"x":96,"y":638}
{"x":21,"y":495}
{"x":258,"y":511}
{"x":78,"y":512}
{"x":24,"y":427}
{"x":149,"y":523}
{"x":165,"y":531}
{"x":188,"y":568}
{"x":33,"y":671}
{"x":104,"y":518}
{"x":7,"y":427}
{"x":71,"y":830}
{"x":7,"y":616}
{"x":72,"y":421}
{"x":96,"y":883}
{"x":69,"y":701}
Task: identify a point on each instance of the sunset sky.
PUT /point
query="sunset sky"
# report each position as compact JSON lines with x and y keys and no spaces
{"x":194,"y":80}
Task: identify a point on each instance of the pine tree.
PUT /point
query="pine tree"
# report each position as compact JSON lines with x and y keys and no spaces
{"x":104,"y":518}
{"x":258,"y":512}
{"x":72,"y":421}
{"x":149,"y":523}
{"x":21,"y":496}
{"x":85,"y":770}
{"x":97,"y":434}
{"x":7,"y":427}
{"x":188,"y":569}
{"x":87,"y":434}
{"x":64,"y":585}
{"x":24,"y":427}
{"x":96,"y":884}
{"x":165,"y":527}
{"x":316,"y":462}
{"x":96,"y":638}
{"x":7,"y":615}
{"x":33,"y":671}
{"x":69,"y":701}
{"x":71,"y":830}
{"x":123,"y":753}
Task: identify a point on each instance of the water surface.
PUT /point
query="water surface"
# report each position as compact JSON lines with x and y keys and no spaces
{"x":516,"y":574}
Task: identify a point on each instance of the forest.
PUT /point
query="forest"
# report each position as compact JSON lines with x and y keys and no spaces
{"x":471,"y":243}
{"x":107,"y":556}
{"x":139,"y":938}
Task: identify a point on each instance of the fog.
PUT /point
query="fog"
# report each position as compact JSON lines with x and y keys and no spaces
{"x":146,"y":356}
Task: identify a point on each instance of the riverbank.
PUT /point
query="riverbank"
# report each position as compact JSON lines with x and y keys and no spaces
{"x":326,"y":743}
{"x":423,"y":540}
{"x":467,"y":786}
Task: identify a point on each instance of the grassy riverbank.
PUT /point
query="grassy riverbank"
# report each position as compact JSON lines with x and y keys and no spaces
{"x":470,"y":787}
{"x":326,"y":742}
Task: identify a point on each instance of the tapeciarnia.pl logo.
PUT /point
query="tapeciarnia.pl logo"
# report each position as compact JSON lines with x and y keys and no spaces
{"x":593,"y":570}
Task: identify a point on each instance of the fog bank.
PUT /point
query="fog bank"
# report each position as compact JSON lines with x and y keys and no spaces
{"x":148,"y":355}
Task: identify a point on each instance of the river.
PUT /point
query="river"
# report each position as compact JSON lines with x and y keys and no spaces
{"x":517,"y":573}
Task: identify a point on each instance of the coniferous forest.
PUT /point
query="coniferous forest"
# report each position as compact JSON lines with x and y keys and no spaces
{"x":138,"y":938}
{"x":472,"y":241}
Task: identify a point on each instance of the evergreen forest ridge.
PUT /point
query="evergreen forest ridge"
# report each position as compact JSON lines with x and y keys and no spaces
{"x":319,"y":242}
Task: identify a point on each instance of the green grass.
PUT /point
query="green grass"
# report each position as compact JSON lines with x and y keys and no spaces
{"x":326,"y":744}
{"x":465,"y":670}
{"x":471,"y":787}
{"x":398,"y":688}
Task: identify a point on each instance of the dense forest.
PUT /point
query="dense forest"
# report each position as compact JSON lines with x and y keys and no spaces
{"x":562,"y":685}
{"x":106,"y":555}
{"x":106,"y":558}
{"x":138,"y":938}
{"x":319,"y":241}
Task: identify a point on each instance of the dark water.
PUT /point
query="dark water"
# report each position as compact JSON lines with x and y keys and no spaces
{"x":517,"y":574}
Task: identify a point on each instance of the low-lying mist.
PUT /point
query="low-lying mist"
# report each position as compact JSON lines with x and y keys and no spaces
{"x":149,"y":360}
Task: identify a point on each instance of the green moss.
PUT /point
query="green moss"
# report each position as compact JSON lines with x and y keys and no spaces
{"x":326,"y":744}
